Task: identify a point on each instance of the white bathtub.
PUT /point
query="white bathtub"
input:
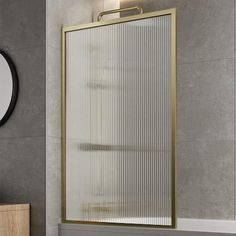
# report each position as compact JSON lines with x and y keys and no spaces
{"x":185,"y":227}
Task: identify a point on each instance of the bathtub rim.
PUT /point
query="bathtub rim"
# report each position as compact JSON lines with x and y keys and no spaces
{"x":183,"y":225}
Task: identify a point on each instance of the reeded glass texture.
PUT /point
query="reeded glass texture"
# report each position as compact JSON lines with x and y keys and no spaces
{"x":118,"y":123}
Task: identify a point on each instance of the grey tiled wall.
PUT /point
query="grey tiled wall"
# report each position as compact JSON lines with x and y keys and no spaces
{"x":206,"y":110}
{"x":23,"y":137}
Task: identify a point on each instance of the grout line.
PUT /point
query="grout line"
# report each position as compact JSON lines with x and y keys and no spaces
{"x":23,"y":137}
{"x":202,"y":61}
{"x":23,"y":48}
{"x":53,"y":136}
{"x":234,"y":124}
{"x":207,"y":140}
{"x":47,"y":179}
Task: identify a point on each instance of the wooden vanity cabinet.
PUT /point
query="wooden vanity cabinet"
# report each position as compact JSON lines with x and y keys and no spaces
{"x":14,"y":219}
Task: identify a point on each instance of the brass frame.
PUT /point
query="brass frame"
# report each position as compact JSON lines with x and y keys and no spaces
{"x":171,"y":12}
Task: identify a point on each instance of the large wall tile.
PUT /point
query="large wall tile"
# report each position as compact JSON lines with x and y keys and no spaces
{"x":153,"y":5}
{"x":29,"y":116}
{"x":52,"y":231}
{"x":111,"y":4}
{"x":22,"y":24}
{"x":54,"y":62}
{"x":105,"y":5}
{"x":206,"y":179}
{"x":54,"y":92}
{"x":234,"y":25}
{"x":38,"y":231}
{"x":205,"y":106}
{"x":235,"y":102}
{"x":205,"y":27}
{"x":66,"y":13}
{"x":208,"y":30}
{"x":24,"y":175}
{"x":53,"y":185}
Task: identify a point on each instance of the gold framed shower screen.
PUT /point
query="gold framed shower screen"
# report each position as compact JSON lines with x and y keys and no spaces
{"x":96,"y":147}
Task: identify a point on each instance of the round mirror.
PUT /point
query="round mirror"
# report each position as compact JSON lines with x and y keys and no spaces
{"x":8,"y":87}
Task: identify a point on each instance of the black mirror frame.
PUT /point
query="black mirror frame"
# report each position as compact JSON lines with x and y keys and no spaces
{"x":15,"y":88}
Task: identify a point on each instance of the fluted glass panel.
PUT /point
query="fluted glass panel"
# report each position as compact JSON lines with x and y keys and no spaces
{"x":118,"y":123}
